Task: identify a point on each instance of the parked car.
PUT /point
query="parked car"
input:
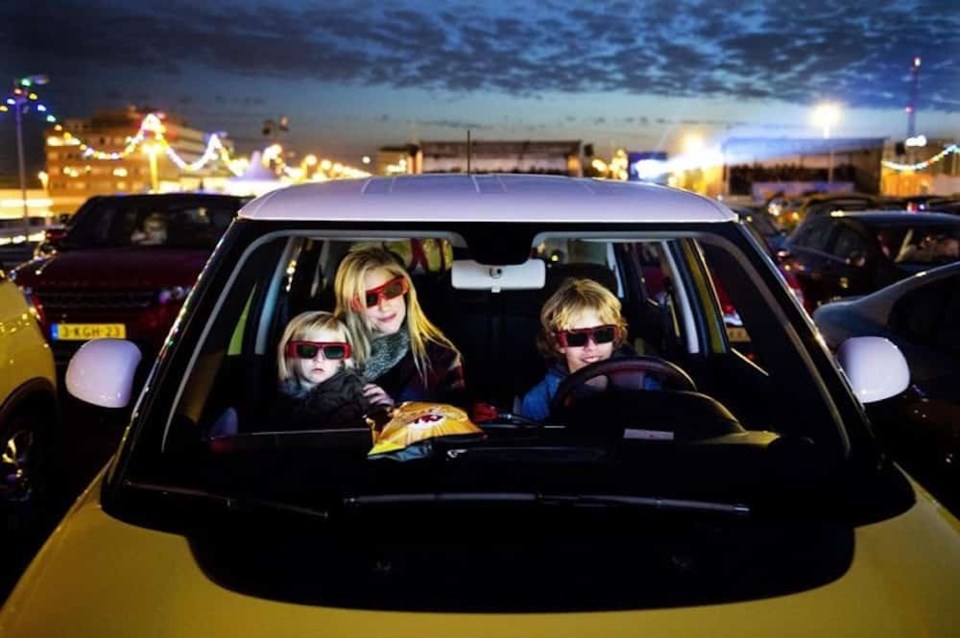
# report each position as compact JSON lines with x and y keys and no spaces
{"x":817,"y":204}
{"x":28,"y":410}
{"x":921,"y":315}
{"x":766,"y":225}
{"x":735,"y":497}
{"x":105,"y":276}
{"x":844,"y":254}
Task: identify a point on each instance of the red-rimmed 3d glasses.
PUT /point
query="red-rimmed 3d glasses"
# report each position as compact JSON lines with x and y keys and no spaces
{"x":577,"y":338}
{"x":332,"y":350}
{"x":389,"y":290}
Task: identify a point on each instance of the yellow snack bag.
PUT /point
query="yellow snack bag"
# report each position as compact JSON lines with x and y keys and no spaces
{"x":414,"y":422}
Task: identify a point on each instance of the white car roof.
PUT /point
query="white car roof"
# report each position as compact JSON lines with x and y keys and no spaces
{"x":485,"y":198}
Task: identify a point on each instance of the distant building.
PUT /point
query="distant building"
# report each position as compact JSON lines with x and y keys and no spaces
{"x":74,"y":175}
{"x":940,"y":176}
{"x":799,"y":164}
{"x":397,"y":160}
{"x":486,"y":156}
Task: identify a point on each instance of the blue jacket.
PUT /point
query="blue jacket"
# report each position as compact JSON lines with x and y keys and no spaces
{"x":536,"y":403}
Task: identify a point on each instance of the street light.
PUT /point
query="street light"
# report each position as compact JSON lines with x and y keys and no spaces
{"x":826,"y":115}
{"x":20,"y":102}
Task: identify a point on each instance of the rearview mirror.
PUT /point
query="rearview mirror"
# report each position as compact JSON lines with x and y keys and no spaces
{"x":467,"y":274}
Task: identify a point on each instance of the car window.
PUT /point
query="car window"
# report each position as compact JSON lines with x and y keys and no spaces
{"x":222,"y":418}
{"x":291,"y":275}
{"x":815,"y":235}
{"x":118,"y":222}
{"x":849,"y":245}
{"x":929,"y":244}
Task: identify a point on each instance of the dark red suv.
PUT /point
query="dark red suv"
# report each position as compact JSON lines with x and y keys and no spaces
{"x":123,"y":267}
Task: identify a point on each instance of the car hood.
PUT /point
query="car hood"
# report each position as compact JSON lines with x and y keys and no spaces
{"x":124,"y":580}
{"x":115,"y":268}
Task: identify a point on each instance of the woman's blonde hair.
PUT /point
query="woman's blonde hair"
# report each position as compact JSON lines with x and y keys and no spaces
{"x":299,"y":327}
{"x":574,"y":297}
{"x":350,"y":290}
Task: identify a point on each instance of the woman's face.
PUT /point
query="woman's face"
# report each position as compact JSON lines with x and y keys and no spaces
{"x":386,"y":316}
{"x":591,"y":352}
{"x":312,"y":372}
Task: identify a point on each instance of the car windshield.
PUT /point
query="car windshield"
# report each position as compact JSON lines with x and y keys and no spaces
{"x":693,"y":405}
{"x":117,"y":222}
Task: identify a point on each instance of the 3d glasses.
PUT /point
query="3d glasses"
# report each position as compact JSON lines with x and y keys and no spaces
{"x":578,"y":338}
{"x":332,"y":350}
{"x":389,"y":290}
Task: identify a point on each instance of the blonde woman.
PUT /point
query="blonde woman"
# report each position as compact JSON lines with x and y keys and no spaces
{"x":404,"y":357}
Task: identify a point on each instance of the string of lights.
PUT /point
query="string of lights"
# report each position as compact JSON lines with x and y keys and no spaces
{"x":919,"y":166}
{"x":151,"y":125}
{"x":21,"y":91}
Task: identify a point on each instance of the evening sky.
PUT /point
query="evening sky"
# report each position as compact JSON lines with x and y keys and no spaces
{"x":354,"y":76}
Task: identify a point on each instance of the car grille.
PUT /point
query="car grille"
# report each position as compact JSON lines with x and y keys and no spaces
{"x":60,"y":301}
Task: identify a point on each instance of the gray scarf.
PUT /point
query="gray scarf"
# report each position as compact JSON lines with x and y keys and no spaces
{"x":386,"y":352}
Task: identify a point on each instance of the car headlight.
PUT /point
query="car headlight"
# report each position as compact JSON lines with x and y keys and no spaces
{"x":172,"y":294}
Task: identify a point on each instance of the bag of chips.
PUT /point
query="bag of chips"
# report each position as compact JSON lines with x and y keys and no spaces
{"x":414,"y":424}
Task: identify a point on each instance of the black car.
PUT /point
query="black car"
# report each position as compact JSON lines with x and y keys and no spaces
{"x":921,"y":426}
{"x":844,"y":254}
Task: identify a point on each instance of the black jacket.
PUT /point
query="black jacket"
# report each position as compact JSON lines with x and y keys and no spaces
{"x":338,"y":402}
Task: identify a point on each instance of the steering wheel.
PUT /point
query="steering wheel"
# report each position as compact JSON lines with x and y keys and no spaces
{"x":622,"y":373}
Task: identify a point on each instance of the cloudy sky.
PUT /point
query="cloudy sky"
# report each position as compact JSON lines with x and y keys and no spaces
{"x":353,"y":76}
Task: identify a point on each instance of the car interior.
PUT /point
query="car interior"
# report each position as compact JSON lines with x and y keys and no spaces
{"x":234,"y":373}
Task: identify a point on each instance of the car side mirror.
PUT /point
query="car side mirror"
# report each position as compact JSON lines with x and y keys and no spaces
{"x":102,"y":371}
{"x":876,"y":368}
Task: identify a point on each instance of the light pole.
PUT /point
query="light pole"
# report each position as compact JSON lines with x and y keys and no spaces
{"x":826,"y":115}
{"x":20,"y":101}
{"x":152,"y":149}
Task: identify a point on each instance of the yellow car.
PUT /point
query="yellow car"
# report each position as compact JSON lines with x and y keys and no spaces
{"x":671,"y":487}
{"x":28,"y":400}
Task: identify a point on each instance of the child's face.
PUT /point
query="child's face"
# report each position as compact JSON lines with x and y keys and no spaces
{"x":591,"y":352}
{"x":312,"y":372}
{"x":386,"y":316}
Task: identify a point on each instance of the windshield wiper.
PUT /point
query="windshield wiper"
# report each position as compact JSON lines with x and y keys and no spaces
{"x":234,"y":503}
{"x":576,"y":500}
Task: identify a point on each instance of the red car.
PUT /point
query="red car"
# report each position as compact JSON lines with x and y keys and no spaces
{"x":123,"y":266}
